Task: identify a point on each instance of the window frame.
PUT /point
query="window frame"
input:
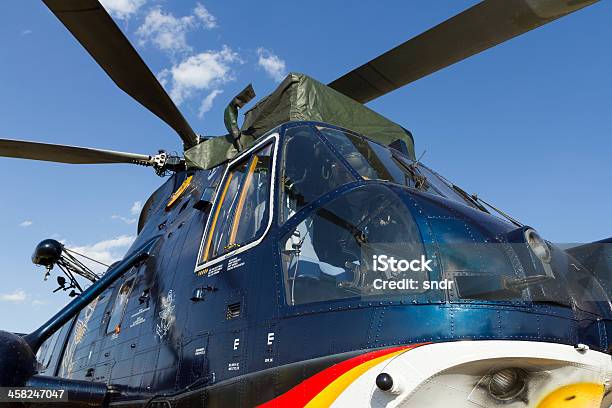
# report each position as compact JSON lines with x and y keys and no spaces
{"x":275,"y":138}
{"x":242,"y":195}
{"x":47,"y":354}
{"x":112,"y":304}
{"x":335,"y":155}
{"x":284,"y":233}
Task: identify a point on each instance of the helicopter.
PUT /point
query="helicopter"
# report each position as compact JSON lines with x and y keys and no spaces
{"x":308,"y":258}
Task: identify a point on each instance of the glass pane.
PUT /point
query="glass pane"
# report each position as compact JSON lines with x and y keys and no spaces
{"x":228,"y":201}
{"x":309,"y":170}
{"x":252,"y":211}
{"x":241,"y":211}
{"x":114,"y":322}
{"x":371,"y":160}
{"x":481,"y":267}
{"x":442,"y":187}
{"x":358,"y":153}
{"x":46,"y":350}
{"x":335,"y":253}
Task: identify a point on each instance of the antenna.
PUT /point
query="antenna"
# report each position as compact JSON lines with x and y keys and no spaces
{"x":416,"y":163}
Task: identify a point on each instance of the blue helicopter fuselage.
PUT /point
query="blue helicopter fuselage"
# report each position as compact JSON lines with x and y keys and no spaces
{"x":249,"y":320}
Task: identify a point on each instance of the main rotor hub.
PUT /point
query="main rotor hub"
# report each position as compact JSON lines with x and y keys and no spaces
{"x":160,"y":159}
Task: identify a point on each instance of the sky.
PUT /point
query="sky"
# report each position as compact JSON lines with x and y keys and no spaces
{"x":526,"y":125}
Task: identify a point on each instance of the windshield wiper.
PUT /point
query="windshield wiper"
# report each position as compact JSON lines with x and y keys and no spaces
{"x":479,"y":203}
{"x":420,"y":181}
{"x":469,"y":198}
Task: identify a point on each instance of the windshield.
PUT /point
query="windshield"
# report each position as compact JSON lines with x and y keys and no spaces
{"x":340,"y":251}
{"x":332,"y":253}
{"x":309,"y":169}
{"x":485,"y":257}
{"x":376,"y":162}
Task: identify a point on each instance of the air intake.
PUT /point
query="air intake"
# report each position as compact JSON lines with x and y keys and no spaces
{"x":233,"y":311}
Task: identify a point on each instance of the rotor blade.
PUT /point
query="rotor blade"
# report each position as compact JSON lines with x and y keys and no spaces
{"x":485,"y":25}
{"x":22,"y":149}
{"x":93,"y":27}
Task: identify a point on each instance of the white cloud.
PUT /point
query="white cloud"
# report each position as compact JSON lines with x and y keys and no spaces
{"x":26,"y":32}
{"x":204,"y":71}
{"x":128,"y":221}
{"x":136,"y":208}
{"x":169,"y":33}
{"x":107,"y":251}
{"x":165,"y":31}
{"x":272,"y":64}
{"x":122,"y":9}
{"x":16,"y":296}
{"x":204,"y":15}
{"x":208,"y":101}
{"x":26,"y":224}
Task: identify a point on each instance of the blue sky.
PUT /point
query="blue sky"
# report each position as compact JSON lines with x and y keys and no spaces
{"x":527,"y":125}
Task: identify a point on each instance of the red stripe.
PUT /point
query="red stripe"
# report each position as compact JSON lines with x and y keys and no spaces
{"x":302,"y":393}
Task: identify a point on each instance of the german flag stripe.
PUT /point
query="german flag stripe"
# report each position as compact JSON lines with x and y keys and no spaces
{"x":323,"y":388}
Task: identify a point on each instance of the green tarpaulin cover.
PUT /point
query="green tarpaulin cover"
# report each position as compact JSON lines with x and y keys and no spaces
{"x":299,"y":98}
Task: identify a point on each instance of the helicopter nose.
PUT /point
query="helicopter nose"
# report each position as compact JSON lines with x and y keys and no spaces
{"x":489,"y":373}
{"x":581,"y":395}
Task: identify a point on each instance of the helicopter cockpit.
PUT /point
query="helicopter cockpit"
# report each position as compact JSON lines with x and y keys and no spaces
{"x":361,"y":221}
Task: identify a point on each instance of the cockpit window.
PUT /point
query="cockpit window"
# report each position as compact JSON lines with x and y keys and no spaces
{"x":45,"y":353}
{"x":439,"y":184}
{"x":376,"y":162}
{"x":370,"y":160}
{"x":218,"y":234}
{"x":116,"y":316}
{"x":242,"y":205}
{"x":340,"y":250}
{"x":309,"y":170}
{"x":251,"y":208}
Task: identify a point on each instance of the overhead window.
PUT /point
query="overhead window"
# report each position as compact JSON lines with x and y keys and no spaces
{"x":242,"y":206}
{"x":371,"y":160}
{"x":309,"y":170}
{"x":376,"y":162}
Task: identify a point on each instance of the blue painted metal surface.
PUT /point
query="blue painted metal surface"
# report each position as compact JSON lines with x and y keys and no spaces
{"x":168,"y":343}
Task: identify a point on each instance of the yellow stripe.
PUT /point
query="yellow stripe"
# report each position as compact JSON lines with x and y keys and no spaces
{"x":329,"y":394}
{"x":214,"y":221}
{"x":243,"y":193}
{"x":179,"y":192}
